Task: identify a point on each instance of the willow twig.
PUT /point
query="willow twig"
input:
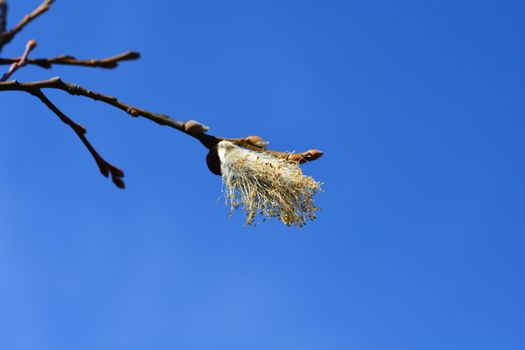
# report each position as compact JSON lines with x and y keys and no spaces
{"x":209,"y":141}
{"x":108,"y":63}
{"x":7,"y":36}
{"x":104,"y":166}
{"x":256,"y":179}
{"x":191,"y":127}
{"x":22,"y":61}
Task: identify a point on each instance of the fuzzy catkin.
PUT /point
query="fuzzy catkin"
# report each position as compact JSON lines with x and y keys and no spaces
{"x":260,"y":183}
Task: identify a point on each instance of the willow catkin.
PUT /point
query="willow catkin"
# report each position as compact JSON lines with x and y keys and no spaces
{"x":260,"y":183}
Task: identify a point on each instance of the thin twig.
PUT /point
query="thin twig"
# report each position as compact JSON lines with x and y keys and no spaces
{"x":108,"y":63}
{"x":73,"y":89}
{"x":6,"y":37}
{"x":105,"y":167}
{"x":31,"y":44}
{"x":3,"y":17}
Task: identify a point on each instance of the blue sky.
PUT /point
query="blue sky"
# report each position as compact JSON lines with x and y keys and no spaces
{"x":418,"y":106}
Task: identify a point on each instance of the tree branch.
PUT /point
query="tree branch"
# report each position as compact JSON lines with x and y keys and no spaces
{"x":105,"y":167}
{"x":108,"y":63}
{"x":191,"y":127}
{"x":31,"y":44}
{"x":290,"y":200}
{"x":7,"y":36}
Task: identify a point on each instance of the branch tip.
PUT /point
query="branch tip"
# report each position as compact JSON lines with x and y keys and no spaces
{"x":31,"y":44}
{"x":313,"y":154}
{"x":22,"y":61}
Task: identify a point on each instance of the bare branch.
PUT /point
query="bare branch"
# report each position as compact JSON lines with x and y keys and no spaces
{"x":105,"y":167}
{"x":7,"y":36}
{"x":31,"y":44}
{"x":257,"y":179}
{"x":189,"y":128}
{"x":108,"y":63}
{"x":57,"y":83}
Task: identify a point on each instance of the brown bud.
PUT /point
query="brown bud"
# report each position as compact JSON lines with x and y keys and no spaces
{"x":194,"y":127}
{"x":31,"y":44}
{"x":313,"y":154}
{"x":295,"y":157}
{"x":256,"y":141}
{"x":132,"y":111}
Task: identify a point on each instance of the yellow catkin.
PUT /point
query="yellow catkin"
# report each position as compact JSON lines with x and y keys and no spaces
{"x":264,"y":185}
